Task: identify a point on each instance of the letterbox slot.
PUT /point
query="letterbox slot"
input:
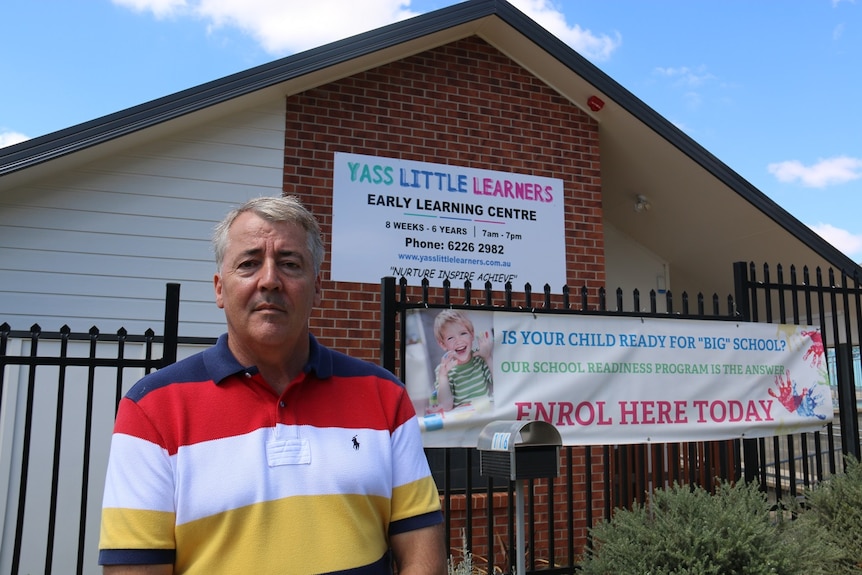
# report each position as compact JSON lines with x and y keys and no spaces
{"x":537,"y":461}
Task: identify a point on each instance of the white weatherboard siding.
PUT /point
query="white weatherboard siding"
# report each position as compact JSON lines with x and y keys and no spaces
{"x":97,"y":245}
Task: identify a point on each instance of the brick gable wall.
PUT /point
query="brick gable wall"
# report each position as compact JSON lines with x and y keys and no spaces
{"x":463,"y":104}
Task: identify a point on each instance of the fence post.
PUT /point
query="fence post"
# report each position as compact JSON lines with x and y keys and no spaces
{"x":172,"y":323}
{"x":750,"y":455}
{"x":388,"y":314}
{"x":847,"y":400}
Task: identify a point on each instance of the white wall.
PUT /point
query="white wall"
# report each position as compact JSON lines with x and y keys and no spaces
{"x":630,"y":266}
{"x":97,"y":245}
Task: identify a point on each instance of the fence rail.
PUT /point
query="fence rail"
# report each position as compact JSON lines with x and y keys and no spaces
{"x":59,"y":391}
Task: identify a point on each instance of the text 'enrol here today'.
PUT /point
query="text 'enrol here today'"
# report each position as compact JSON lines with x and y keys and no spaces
{"x":645,"y":412}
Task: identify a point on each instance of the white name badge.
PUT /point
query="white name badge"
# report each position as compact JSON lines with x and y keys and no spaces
{"x":288,"y":452}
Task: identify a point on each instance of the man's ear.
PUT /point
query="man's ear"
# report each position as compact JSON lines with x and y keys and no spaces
{"x":318,"y":290}
{"x":217,"y":286}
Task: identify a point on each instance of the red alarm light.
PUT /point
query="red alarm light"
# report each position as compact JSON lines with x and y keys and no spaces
{"x":595,"y":103}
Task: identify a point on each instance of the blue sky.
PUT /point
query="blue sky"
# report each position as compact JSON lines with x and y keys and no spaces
{"x":770,"y":87}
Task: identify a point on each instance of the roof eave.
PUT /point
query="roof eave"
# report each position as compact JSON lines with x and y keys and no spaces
{"x":122,"y":123}
{"x":461,"y":19}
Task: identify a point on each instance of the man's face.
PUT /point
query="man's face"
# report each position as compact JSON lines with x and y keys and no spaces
{"x":266,"y":285}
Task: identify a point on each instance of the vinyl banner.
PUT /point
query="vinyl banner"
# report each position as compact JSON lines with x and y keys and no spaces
{"x":420,"y":221}
{"x":613,"y":380}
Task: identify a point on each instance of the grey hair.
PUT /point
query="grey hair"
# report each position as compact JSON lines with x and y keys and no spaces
{"x":274,"y":210}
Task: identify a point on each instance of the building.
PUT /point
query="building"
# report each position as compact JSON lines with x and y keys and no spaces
{"x":96,"y":218}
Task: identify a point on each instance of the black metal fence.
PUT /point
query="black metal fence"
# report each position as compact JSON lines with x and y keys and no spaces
{"x":834,"y":304}
{"x":594,"y":480}
{"x":59,"y":392}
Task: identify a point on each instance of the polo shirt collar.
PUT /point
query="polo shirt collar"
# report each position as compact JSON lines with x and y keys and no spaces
{"x":220,"y":362}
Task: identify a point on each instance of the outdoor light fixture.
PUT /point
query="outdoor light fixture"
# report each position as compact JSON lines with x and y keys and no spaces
{"x":642,"y":203}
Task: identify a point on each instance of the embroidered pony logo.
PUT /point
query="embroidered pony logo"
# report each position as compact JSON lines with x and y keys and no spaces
{"x":355,"y":443}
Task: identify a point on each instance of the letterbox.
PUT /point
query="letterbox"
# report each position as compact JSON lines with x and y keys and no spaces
{"x":514,"y":450}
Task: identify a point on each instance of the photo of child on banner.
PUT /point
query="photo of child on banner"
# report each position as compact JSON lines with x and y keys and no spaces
{"x":450,"y":365}
{"x":463,"y":374}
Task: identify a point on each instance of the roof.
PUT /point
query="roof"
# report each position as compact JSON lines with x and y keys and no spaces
{"x":703,"y":213}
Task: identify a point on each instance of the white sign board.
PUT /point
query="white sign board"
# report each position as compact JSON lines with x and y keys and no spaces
{"x":419,"y":220}
{"x":617,"y":380}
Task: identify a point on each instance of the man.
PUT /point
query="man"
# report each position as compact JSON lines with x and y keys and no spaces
{"x":269,"y":453}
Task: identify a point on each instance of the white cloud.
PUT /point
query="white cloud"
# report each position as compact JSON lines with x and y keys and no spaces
{"x":824,"y":173}
{"x":592,"y":46}
{"x":159,"y":8}
{"x":685,"y":76}
{"x":838,"y":32}
{"x":287,"y":26}
{"x":283,"y":26}
{"x":11,"y":138}
{"x":850,"y":244}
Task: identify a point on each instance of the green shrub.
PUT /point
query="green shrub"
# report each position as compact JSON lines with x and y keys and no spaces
{"x":685,"y":531}
{"x":829,"y":518}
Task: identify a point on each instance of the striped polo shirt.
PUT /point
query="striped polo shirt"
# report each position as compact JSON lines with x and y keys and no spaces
{"x":211,"y":471}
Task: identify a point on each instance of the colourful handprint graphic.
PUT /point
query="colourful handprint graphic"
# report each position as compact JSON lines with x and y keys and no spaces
{"x":804,"y":404}
{"x":815,"y":351}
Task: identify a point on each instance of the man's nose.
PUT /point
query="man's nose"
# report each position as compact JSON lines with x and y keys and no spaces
{"x":269,"y":278}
